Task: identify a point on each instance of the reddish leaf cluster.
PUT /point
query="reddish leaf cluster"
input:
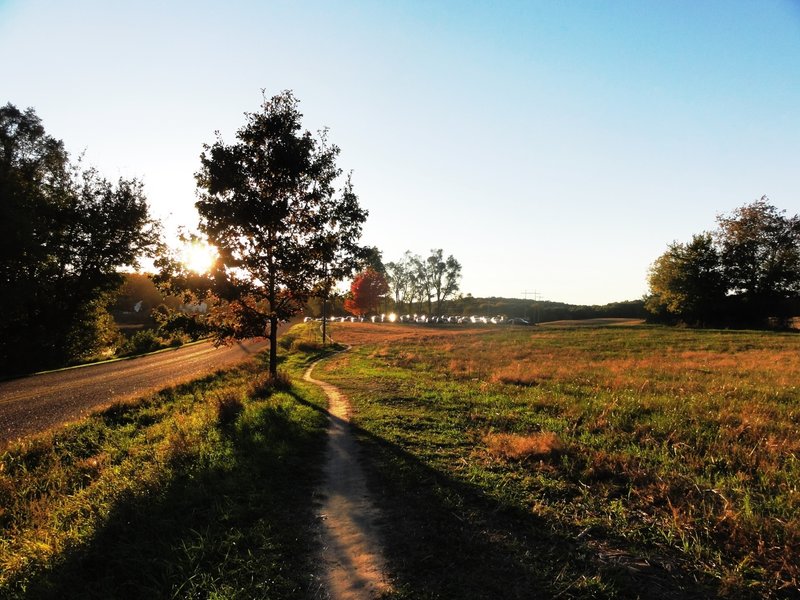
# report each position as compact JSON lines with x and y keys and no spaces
{"x":366,"y":291}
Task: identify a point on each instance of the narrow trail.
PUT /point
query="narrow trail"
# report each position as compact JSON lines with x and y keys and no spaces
{"x":353,"y":563}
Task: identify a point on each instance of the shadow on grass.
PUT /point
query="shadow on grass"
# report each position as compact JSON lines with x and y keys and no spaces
{"x":242,"y":529}
{"x":245,"y":530}
{"x":447,"y":539}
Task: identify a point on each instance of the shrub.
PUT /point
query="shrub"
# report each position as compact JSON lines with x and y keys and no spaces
{"x":142,"y":341}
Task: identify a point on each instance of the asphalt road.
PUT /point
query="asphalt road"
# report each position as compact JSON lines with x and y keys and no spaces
{"x":40,"y":402}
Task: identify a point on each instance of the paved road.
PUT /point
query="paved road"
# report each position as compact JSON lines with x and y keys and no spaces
{"x":41,"y":402}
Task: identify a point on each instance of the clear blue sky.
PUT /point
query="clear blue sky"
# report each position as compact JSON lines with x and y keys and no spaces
{"x":549,"y":146}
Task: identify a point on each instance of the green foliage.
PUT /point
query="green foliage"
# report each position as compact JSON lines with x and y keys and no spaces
{"x":402,"y":282}
{"x":372,"y":258}
{"x":687,"y":280}
{"x":438,"y":278}
{"x":428,"y":281}
{"x":141,"y":342}
{"x":760,"y":249}
{"x":179,"y":322}
{"x":64,"y":233}
{"x":747,"y":272}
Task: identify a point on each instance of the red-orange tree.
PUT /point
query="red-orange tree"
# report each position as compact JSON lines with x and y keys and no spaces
{"x":366,"y":292}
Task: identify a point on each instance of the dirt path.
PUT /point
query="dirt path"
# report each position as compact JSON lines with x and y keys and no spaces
{"x":353,"y":565}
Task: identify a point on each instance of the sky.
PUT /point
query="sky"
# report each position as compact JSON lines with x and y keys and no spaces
{"x":554,"y":148}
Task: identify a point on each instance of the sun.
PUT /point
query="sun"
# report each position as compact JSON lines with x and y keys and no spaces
{"x":198,"y":256}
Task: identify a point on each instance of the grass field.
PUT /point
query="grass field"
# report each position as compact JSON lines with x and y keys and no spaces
{"x":581,"y":462}
{"x":562,"y":462}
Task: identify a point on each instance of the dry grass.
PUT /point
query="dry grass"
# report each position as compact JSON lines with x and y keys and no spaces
{"x":262,"y":384}
{"x":371,"y":333}
{"x":685,"y":442}
{"x":511,"y":446}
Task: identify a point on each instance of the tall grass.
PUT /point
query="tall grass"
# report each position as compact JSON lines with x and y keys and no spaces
{"x":667,"y":455}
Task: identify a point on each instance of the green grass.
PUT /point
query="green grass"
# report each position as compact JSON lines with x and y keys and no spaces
{"x":201,"y":491}
{"x":675,"y":475}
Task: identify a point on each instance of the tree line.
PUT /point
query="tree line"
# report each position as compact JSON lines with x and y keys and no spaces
{"x":286,"y":222}
{"x":66,"y":232}
{"x":745,"y":273}
{"x":411,"y":284}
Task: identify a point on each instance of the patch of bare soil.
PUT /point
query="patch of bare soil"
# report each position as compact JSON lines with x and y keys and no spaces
{"x":352,"y":559}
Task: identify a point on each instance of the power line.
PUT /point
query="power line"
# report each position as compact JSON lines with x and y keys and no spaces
{"x":535,"y":296}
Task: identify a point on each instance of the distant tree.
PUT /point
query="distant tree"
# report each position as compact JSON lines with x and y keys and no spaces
{"x":372,"y":258}
{"x":402,"y":281}
{"x":745,"y":272}
{"x":366,"y":292}
{"x":65,"y":233}
{"x":438,"y":278}
{"x":269,"y":204}
{"x":687,"y":282}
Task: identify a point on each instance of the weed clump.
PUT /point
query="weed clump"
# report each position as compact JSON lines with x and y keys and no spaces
{"x":229,"y":406}
{"x":263,"y":385}
{"x":307,"y":346}
{"x":510,"y":446}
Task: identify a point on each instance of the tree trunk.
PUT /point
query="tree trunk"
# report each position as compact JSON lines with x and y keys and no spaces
{"x":273,"y":346}
{"x":324,"y":319}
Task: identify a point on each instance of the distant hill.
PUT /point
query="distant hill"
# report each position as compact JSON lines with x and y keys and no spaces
{"x":534,"y":311}
{"x":541,"y":311}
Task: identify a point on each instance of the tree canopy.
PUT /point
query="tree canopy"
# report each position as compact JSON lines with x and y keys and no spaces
{"x":431,"y":281}
{"x":746,"y":272}
{"x":65,"y":233}
{"x":366,"y":292}
{"x":284,"y":232}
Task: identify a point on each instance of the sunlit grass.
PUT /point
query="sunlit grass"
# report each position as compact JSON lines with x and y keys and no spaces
{"x":674,"y":447}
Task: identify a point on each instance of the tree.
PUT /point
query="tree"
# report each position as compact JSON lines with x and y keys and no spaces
{"x":268,"y":203}
{"x":402,"y":281}
{"x":745,"y":272}
{"x":372,"y":258}
{"x":438,"y":278}
{"x":65,"y":232}
{"x":760,"y":249}
{"x":687,"y":282}
{"x":366,"y":292}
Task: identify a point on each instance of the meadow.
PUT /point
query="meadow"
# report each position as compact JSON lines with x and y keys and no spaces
{"x":581,"y":462}
{"x":528,"y":462}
